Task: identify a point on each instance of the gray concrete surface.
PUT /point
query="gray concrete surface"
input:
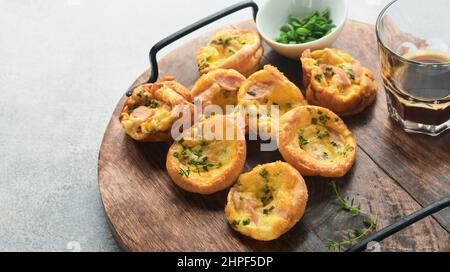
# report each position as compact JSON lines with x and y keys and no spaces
{"x":63,"y":66}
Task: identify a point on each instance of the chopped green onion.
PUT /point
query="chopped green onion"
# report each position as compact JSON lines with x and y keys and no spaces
{"x":312,"y":27}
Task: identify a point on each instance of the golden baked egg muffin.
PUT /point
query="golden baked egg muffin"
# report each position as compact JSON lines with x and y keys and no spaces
{"x":269,"y":87}
{"x":206,"y":163}
{"x":316,"y":142}
{"x":218,"y":87}
{"x":238,"y":49}
{"x":267,"y":201}
{"x":148,"y":114}
{"x":337,"y":81}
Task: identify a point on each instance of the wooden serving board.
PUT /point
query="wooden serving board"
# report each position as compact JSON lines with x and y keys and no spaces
{"x":395,"y":174}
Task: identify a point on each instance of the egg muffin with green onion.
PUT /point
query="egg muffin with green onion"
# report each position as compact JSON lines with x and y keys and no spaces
{"x":267,"y":201}
{"x":335,"y":80}
{"x":210,"y":156}
{"x":148,"y":114}
{"x":218,"y":87}
{"x":230,"y":48}
{"x":316,"y":142}
{"x":267,"y":88}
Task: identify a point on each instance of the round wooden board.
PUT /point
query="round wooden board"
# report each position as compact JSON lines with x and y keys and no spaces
{"x":148,"y":212}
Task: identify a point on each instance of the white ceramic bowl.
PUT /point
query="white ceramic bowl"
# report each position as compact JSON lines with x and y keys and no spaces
{"x":273,"y":14}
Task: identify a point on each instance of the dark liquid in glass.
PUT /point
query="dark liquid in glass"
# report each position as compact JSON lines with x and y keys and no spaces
{"x":421,"y":93}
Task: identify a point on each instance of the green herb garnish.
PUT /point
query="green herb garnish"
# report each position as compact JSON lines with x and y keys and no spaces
{"x":356,"y":234}
{"x":267,"y":192}
{"x":203,"y":66}
{"x":153,"y":104}
{"x":346,"y":205}
{"x":263,"y":173}
{"x":184,"y":172}
{"x":302,"y":141}
{"x":323,"y":134}
{"x":352,"y":236}
{"x":347,"y":149}
{"x":266,"y":211}
{"x":323,"y":119}
{"x":318,"y":77}
{"x":328,"y":72}
{"x":348,"y":71}
{"x":227,"y":41}
{"x":193,"y":156}
{"x":333,"y":143}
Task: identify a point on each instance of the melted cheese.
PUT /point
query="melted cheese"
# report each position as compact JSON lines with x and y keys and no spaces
{"x":224,"y":98}
{"x":161,"y":121}
{"x":318,"y":140}
{"x":269,"y":87}
{"x":280,"y":91}
{"x":322,"y":144}
{"x":277,"y":90}
{"x":205,"y":161}
{"x":223,"y":45}
{"x":331,"y":56}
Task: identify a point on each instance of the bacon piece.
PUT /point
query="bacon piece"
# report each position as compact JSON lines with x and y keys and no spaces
{"x":316,"y":154}
{"x":283,"y":213}
{"x":257,"y":91}
{"x":356,"y":67}
{"x":236,"y":200}
{"x":249,"y":206}
{"x":334,"y":135}
{"x":345,"y":81}
{"x":306,"y":54}
{"x":230,"y":82}
{"x":246,"y":203}
{"x":206,"y":97}
{"x":165,"y":106}
{"x":143,"y":113}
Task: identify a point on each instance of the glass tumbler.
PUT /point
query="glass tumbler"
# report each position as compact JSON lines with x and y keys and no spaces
{"x":414,"y":47}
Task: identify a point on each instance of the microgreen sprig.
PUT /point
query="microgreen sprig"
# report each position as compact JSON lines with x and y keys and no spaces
{"x":352,"y":236}
{"x":356,"y":234}
{"x":344,"y":203}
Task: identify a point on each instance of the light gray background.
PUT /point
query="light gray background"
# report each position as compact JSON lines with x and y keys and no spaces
{"x":63,"y":66}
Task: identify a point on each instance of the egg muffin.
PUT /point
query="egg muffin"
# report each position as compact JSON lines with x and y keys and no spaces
{"x":267,"y":201}
{"x":218,"y":87}
{"x":316,"y":142}
{"x":337,"y":81}
{"x":238,"y":49}
{"x":269,"y":87}
{"x":148,"y":114}
{"x":204,"y":162}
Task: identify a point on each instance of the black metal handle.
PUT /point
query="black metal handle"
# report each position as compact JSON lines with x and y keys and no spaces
{"x":189,"y":29}
{"x":401,"y":224}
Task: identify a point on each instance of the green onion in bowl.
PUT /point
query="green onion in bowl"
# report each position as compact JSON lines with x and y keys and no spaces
{"x":314,"y":26}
